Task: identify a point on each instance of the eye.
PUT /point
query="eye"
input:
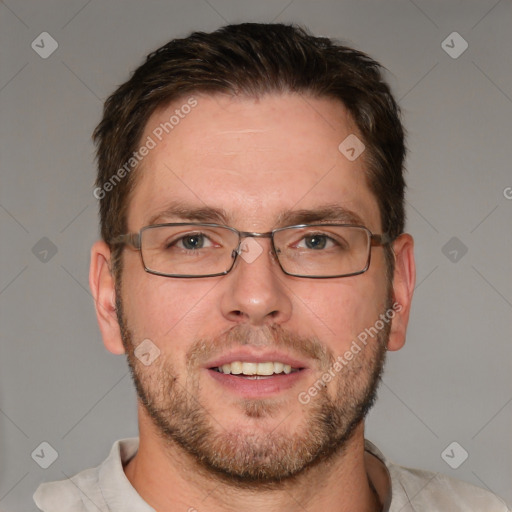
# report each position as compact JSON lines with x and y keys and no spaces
{"x":321,"y":241}
{"x":317,"y":242}
{"x":191,"y":242}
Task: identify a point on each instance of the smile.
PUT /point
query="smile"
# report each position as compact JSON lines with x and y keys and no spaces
{"x":255,"y":370}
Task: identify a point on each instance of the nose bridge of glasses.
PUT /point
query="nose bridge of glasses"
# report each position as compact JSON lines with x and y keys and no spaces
{"x":249,"y":234}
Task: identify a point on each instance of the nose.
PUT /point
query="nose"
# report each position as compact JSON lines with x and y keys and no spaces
{"x":254,"y":291}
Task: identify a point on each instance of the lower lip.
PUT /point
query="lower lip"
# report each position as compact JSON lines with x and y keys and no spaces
{"x":256,"y":388}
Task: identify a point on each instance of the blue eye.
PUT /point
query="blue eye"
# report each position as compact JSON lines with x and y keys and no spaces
{"x":190,"y":242}
{"x":316,"y":241}
{"x":193,"y":241}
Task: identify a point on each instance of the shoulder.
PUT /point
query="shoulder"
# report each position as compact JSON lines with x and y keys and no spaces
{"x":414,"y":489}
{"x":79,"y":493}
{"x":92,"y":489}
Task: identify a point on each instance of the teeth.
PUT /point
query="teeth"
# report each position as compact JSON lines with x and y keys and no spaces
{"x":264,"y":368}
{"x":236,"y":368}
{"x":278,"y":367}
{"x":251,"y":369}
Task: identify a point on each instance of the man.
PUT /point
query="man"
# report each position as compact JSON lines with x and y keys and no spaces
{"x":254,"y":269}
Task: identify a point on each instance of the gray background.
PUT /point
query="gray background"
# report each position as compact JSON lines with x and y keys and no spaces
{"x":452,"y":380}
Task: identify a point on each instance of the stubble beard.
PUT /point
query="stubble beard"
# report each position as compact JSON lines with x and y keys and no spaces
{"x":248,"y":456}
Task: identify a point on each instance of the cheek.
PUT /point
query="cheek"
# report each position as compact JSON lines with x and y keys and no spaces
{"x":163,"y":309}
{"x":341,"y":310}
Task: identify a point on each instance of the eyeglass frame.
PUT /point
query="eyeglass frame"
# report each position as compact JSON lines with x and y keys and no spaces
{"x":134,"y":240}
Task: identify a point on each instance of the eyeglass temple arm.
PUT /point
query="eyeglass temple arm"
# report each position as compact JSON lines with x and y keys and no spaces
{"x":378,"y":240}
{"x":132,"y":239}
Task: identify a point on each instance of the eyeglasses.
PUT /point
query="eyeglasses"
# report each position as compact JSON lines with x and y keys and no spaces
{"x":208,"y":250}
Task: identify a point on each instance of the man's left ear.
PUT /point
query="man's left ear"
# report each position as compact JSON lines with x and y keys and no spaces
{"x":403,"y":286}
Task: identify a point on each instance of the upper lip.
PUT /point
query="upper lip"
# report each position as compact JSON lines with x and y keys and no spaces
{"x":252,"y":356}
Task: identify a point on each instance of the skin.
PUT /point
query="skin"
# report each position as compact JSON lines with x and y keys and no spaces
{"x":255,"y":159}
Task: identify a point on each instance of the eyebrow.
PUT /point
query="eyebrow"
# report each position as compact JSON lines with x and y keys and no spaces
{"x":325,"y":213}
{"x":178,"y":211}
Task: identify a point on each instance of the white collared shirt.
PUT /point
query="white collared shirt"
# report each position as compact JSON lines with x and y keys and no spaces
{"x":106,"y":488}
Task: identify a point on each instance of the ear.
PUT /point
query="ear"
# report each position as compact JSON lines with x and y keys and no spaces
{"x":101,"y":282}
{"x":403,"y":287}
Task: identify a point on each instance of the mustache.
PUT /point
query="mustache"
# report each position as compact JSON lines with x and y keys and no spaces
{"x":269,"y":336}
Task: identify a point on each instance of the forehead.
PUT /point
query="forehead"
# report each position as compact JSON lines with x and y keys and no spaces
{"x":253,"y":159}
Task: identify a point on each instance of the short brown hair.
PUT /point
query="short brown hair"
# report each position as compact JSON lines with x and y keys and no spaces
{"x":253,"y":59}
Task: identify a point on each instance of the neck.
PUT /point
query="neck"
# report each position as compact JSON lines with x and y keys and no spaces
{"x":170,"y":480}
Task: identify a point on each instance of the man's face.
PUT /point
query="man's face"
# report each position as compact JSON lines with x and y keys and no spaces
{"x":255,"y":161}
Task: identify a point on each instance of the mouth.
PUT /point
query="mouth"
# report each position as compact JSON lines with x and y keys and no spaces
{"x":256,"y":370}
{"x":257,"y":375}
